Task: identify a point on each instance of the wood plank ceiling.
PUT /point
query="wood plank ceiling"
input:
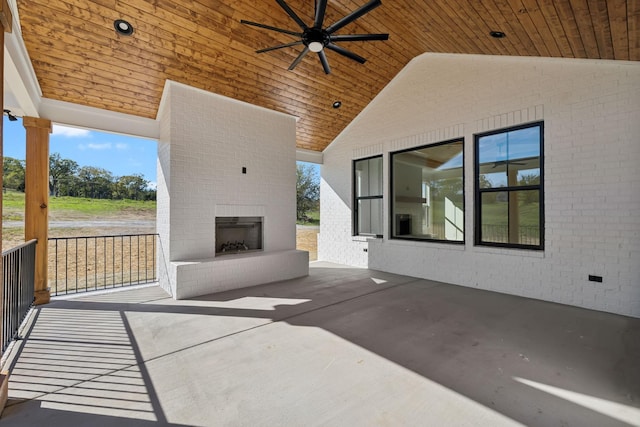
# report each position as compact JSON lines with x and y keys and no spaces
{"x":79,"y":58}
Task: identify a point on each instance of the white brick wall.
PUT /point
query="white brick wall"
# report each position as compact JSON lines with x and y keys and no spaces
{"x":592,"y":152}
{"x":206,"y":140}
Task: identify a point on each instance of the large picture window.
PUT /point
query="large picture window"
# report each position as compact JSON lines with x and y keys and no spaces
{"x":427,"y":192}
{"x":509,"y":187}
{"x":367,"y":190}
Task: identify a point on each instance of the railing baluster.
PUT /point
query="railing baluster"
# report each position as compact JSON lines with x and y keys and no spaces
{"x":56,"y":267}
{"x":130,"y":251}
{"x":18,"y":272}
{"x":95,"y":266}
{"x":66,"y":267}
{"x":122,"y":259}
{"x":146,"y":265}
{"x":138,"y":256}
{"x":113,"y":261}
{"x":86,"y":259}
{"x":104,"y":284}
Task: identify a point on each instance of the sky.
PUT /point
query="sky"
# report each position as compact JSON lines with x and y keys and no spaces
{"x":120,"y":155}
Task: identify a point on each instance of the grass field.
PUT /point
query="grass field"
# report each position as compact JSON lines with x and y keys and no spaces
{"x":70,"y":208}
{"x":65,"y":211}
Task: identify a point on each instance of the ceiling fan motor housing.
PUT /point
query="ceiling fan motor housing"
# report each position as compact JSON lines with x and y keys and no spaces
{"x":317,"y":35}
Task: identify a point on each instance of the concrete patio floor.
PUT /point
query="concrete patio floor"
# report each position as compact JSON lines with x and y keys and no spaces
{"x":343,"y":346}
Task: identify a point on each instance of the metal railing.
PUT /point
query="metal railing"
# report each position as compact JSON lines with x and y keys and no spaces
{"x":18,"y":269}
{"x":81,"y":264}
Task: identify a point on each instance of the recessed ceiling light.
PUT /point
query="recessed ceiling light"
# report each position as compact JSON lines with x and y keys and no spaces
{"x":497,"y":34}
{"x":123,"y":27}
{"x":337,"y":104}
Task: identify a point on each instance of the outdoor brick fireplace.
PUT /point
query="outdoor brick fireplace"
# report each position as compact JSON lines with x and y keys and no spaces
{"x":226,"y":194}
{"x":238,"y":234}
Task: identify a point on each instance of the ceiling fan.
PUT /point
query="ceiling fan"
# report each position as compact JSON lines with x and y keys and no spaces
{"x":315,"y":38}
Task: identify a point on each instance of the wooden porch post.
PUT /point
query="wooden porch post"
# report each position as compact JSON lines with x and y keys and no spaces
{"x":6,"y":20}
{"x":36,"y":183}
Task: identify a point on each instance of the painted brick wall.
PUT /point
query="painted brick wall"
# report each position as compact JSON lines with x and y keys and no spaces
{"x":205,"y":142}
{"x":163,"y":212}
{"x":592,"y":151}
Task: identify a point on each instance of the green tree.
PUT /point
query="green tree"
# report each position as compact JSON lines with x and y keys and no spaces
{"x":307,"y":191}
{"x":95,"y":183}
{"x":60,"y":171}
{"x":133,"y":187}
{"x":13,"y":174}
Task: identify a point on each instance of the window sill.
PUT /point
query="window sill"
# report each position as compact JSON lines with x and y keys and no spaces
{"x":365,"y":238}
{"x":520,"y":252}
{"x":427,"y":244}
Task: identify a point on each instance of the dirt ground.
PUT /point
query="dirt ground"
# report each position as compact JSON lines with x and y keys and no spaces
{"x":307,"y":240}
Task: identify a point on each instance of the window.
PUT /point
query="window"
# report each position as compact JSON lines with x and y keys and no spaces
{"x":427,"y":192}
{"x":509,"y":187}
{"x":367,"y":190}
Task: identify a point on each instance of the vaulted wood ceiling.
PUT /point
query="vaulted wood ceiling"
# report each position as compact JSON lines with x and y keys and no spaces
{"x":79,"y":58}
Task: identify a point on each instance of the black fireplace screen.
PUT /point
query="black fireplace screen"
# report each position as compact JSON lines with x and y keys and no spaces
{"x":238,"y":234}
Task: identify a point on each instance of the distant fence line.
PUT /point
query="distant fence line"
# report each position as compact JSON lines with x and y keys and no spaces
{"x":81,"y":264}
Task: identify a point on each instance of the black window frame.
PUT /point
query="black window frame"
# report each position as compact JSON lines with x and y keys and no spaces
{"x":479,"y":191}
{"x":355,"y":225}
{"x":392,"y":194}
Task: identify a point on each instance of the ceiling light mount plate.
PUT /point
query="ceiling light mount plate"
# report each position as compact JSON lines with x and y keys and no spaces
{"x":123,"y":27}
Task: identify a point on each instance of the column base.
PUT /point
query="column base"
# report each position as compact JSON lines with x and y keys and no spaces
{"x":4,"y":389}
{"x":42,"y":297}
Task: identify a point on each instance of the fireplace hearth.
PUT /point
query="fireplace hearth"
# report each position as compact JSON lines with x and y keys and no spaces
{"x":236,"y":235}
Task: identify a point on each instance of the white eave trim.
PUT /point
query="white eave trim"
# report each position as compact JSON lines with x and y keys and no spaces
{"x":19,"y":74}
{"x":69,"y":114}
{"x":310,"y":156}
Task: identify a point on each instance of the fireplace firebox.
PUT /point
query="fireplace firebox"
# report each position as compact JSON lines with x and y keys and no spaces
{"x":236,"y":234}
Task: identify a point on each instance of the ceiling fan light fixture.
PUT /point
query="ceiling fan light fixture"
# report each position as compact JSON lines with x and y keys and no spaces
{"x":316,"y":46}
{"x":123,"y":27}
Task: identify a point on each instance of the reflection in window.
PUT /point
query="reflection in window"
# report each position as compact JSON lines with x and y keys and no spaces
{"x":428,"y":193}
{"x":509,"y":202}
{"x":367,"y":182}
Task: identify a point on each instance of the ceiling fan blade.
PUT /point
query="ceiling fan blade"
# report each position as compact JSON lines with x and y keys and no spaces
{"x":346,"y":53}
{"x":321,"y":8}
{"x":269,"y":27}
{"x":325,"y":63}
{"x":299,"y":58}
{"x":353,"y":16}
{"x":292,"y":14}
{"x":358,"y":37}
{"x":280,"y":46}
